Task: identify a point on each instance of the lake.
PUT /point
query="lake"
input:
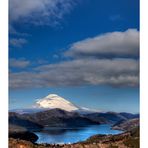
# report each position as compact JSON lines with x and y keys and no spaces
{"x":56,"y":135}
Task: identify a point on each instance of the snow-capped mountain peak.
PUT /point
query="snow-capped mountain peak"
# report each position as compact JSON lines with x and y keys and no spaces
{"x":54,"y":101}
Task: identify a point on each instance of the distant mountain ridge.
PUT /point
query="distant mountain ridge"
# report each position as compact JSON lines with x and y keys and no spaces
{"x":126,"y":125}
{"x":56,"y":111}
{"x":49,"y":118}
{"x":62,"y":118}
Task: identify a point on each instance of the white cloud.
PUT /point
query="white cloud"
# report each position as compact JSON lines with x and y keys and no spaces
{"x":109,"y":45}
{"x":39,"y":11}
{"x":116,"y":72}
{"x":17,"y":42}
{"x":107,"y":59}
{"x":18,"y":63}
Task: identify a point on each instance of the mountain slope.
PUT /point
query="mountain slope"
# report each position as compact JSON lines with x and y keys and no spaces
{"x":106,"y":117}
{"x":54,"y":101}
{"x":18,"y":122}
{"x":53,"y":117}
{"x":126,"y":125}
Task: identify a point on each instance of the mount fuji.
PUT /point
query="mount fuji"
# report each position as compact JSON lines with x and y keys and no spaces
{"x":54,"y":101}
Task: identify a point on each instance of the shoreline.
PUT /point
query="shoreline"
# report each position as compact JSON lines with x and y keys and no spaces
{"x":128,"y":139}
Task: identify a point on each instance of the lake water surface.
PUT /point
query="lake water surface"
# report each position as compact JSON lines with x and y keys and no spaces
{"x":56,"y":135}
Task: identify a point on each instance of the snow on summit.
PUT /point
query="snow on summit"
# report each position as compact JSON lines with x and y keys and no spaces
{"x":54,"y":101}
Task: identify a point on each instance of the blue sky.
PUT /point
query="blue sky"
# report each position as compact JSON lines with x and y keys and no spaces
{"x":85,"y":51}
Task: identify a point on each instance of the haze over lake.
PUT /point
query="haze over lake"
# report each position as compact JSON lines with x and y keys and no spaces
{"x":56,"y":135}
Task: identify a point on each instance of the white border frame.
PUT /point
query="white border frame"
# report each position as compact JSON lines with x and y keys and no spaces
{"x":4,"y":73}
{"x":143,"y":73}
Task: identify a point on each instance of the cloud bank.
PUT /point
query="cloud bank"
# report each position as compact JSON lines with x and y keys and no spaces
{"x":117,"y":72}
{"x":39,"y":11}
{"x":17,"y":42}
{"x":109,"y":45}
{"x":108,"y":59}
{"x":18,"y":63}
